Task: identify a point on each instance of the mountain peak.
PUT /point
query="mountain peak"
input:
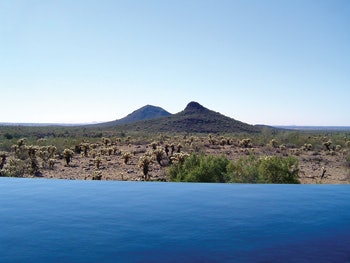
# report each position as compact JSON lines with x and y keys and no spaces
{"x":194,"y":106}
{"x":193,"y":119}
{"x":144,"y":113}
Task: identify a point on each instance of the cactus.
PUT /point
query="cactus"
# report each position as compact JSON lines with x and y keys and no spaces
{"x":46,"y":153}
{"x":179,"y":157}
{"x":52,"y":162}
{"x":172,"y":147}
{"x":14,"y":167}
{"x":144,"y":163}
{"x":34,"y":166}
{"x":97,"y":175}
{"x":93,"y":145}
{"x":245,"y":143}
{"x":327,"y":144}
{"x":210,"y":139}
{"x":159,"y":153}
{"x":166,"y":149}
{"x":85,"y":147}
{"x":179,"y":146}
{"x":68,"y":155}
{"x":337,"y":148}
{"x":93,"y":154}
{"x":274,"y":143}
{"x":110,"y":151}
{"x":223,"y":142}
{"x":3,"y":156}
{"x":126,"y":157}
{"x":347,"y":144}
{"x":154,"y":145}
{"x":106,"y":141}
{"x":98,"y":162}
{"x":21,"y":142}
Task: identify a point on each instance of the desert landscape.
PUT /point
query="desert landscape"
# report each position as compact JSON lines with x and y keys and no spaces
{"x":140,"y":149}
{"x":315,"y":167}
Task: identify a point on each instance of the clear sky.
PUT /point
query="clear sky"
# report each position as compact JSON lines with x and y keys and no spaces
{"x":274,"y":62}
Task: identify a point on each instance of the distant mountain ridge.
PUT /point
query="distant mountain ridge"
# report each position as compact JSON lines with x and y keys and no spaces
{"x":313,"y":128}
{"x":198,"y":119}
{"x":194,"y":118}
{"x":145,"y":113}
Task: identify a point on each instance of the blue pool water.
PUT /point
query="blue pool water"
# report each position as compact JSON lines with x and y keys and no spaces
{"x":98,"y":221}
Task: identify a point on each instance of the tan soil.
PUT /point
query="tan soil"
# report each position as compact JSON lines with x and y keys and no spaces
{"x":312,"y":164}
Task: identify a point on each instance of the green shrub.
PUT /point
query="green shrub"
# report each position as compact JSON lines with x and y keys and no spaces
{"x":200,"y":168}
{"x":245,"y":170}
{"x":278,"y":170}
{"x":269,"y":169}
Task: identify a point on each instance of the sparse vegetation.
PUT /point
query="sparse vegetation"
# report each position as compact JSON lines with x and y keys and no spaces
{"x":48,"y":152}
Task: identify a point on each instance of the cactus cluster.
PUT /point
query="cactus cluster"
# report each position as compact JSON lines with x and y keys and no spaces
{"x":179,"y":157}
{"x":245,"y":143}
{"x":144,"y":163}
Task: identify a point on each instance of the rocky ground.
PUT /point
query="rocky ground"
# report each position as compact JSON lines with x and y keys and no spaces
{"x":320,"y":166}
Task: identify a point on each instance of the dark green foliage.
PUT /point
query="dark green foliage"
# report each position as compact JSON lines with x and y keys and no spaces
{"x":200,"y":168}
{"x":245,"y":170}
{"x":269,"y":169}
{"x":8,"y":136}
{"x":279,"y":170}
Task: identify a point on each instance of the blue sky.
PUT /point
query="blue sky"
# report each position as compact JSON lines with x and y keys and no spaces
{"x":261,"y":62}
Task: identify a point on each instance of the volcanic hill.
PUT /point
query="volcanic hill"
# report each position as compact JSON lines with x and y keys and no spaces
{"x":193,"y":119}
{"x":145,"y":113}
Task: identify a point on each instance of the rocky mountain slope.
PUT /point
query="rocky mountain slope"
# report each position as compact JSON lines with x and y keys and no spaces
{"x":195,"y":118}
